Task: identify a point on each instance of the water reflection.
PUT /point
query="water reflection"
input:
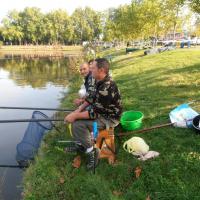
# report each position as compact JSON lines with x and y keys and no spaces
{"x":37,"y":72}
{"x":27,"y":82}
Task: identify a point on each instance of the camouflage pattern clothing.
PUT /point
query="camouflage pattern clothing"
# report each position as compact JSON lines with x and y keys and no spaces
{"x":105,"y":100}
{"x":89,"y":84}
{"x":105,"y":108}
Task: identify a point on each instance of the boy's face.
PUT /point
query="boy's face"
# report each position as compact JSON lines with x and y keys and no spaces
{"x":84,"y":69}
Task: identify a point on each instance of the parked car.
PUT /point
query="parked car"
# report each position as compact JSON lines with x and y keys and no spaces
{"x":198,"y":41}
{"x":193,"y":41}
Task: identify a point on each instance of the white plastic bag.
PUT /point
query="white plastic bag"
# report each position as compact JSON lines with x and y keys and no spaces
{"x":182,"y":116}
{"x":82,"y":91}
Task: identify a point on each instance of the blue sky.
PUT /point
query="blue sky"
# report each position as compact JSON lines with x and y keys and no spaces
{"x":68,"y":5}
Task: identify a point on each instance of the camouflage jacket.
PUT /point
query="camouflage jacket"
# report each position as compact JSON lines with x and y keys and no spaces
{"x":105,"y":100}
{"x":89,"y":84}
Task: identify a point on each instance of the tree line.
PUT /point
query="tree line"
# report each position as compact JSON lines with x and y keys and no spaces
{"x":141,"y":19}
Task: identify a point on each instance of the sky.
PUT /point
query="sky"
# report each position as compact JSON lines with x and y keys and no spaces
{"x":68,"y":5}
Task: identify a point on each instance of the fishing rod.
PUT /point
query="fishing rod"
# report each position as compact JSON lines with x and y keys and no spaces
{"x":53,"y":109}
{"x":145,"y":129}
{"x":32,"y":108}
{"x":29,"y":120}
{"x":151,"y":128}
{"x":12,"y":166}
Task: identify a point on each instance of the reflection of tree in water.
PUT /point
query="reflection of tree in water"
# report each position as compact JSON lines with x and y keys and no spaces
{"x":38,"y":72}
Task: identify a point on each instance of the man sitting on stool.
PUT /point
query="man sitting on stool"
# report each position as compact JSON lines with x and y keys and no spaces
{"x":105,"y":108}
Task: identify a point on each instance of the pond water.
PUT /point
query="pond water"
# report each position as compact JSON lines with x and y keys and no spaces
{"x":27,"y":82}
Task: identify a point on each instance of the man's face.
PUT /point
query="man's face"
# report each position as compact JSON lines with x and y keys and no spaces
{"x":84,"y":69}
{"x":95,"y":70}
{"x":90,"y":66}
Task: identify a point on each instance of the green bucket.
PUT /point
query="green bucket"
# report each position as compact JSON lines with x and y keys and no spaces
{"x":131,"y":120}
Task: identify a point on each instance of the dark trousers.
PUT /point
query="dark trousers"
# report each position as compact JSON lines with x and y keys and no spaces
{"x":81,"y":131}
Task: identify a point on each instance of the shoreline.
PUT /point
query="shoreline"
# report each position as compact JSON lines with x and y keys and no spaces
{"x":41,"y":50}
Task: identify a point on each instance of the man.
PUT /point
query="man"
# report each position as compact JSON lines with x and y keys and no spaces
{"x":90,"y":62}
{"x":88,"y":85}
{"x":105,"y":108}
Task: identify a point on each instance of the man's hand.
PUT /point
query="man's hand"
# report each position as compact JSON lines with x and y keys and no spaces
{"x":78,"y":110}
{"x":71,"y":117}
{"x":81,"y":107}
{"x":76,"y":115}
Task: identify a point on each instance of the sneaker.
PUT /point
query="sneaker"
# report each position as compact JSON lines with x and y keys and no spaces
{"x":93,"y":159}
{"x":74,"y":147}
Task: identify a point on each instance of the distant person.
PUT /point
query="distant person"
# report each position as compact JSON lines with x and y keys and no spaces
{"x":128,"y":44}
{"x":105,"y":108}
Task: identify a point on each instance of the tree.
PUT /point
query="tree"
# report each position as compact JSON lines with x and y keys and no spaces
{"x":86,"y":24}
{"x":196,"y":31}
{"x":173,"y":11}
{"x":122,"y":23}
{"x":195,"y":5}
{"x":58,"y":27}
{"x":150,"y":18}
{"x":11,"y":30}
{"x":139,"y":20}
{"x":1,"y":36}
{"x":108,"y":20}
{"x":30,"y":22}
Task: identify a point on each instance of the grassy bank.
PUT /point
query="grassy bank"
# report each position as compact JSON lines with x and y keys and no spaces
{"x":153,"y":84}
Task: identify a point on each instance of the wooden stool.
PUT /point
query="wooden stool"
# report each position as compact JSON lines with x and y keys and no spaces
{"x":106,"y":143}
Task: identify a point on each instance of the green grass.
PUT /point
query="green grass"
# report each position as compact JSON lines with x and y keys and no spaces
{"x":152,"y":84}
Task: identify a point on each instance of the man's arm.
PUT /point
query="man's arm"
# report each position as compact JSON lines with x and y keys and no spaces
{"x":82,"y":106}
{"x":77,"y":115}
